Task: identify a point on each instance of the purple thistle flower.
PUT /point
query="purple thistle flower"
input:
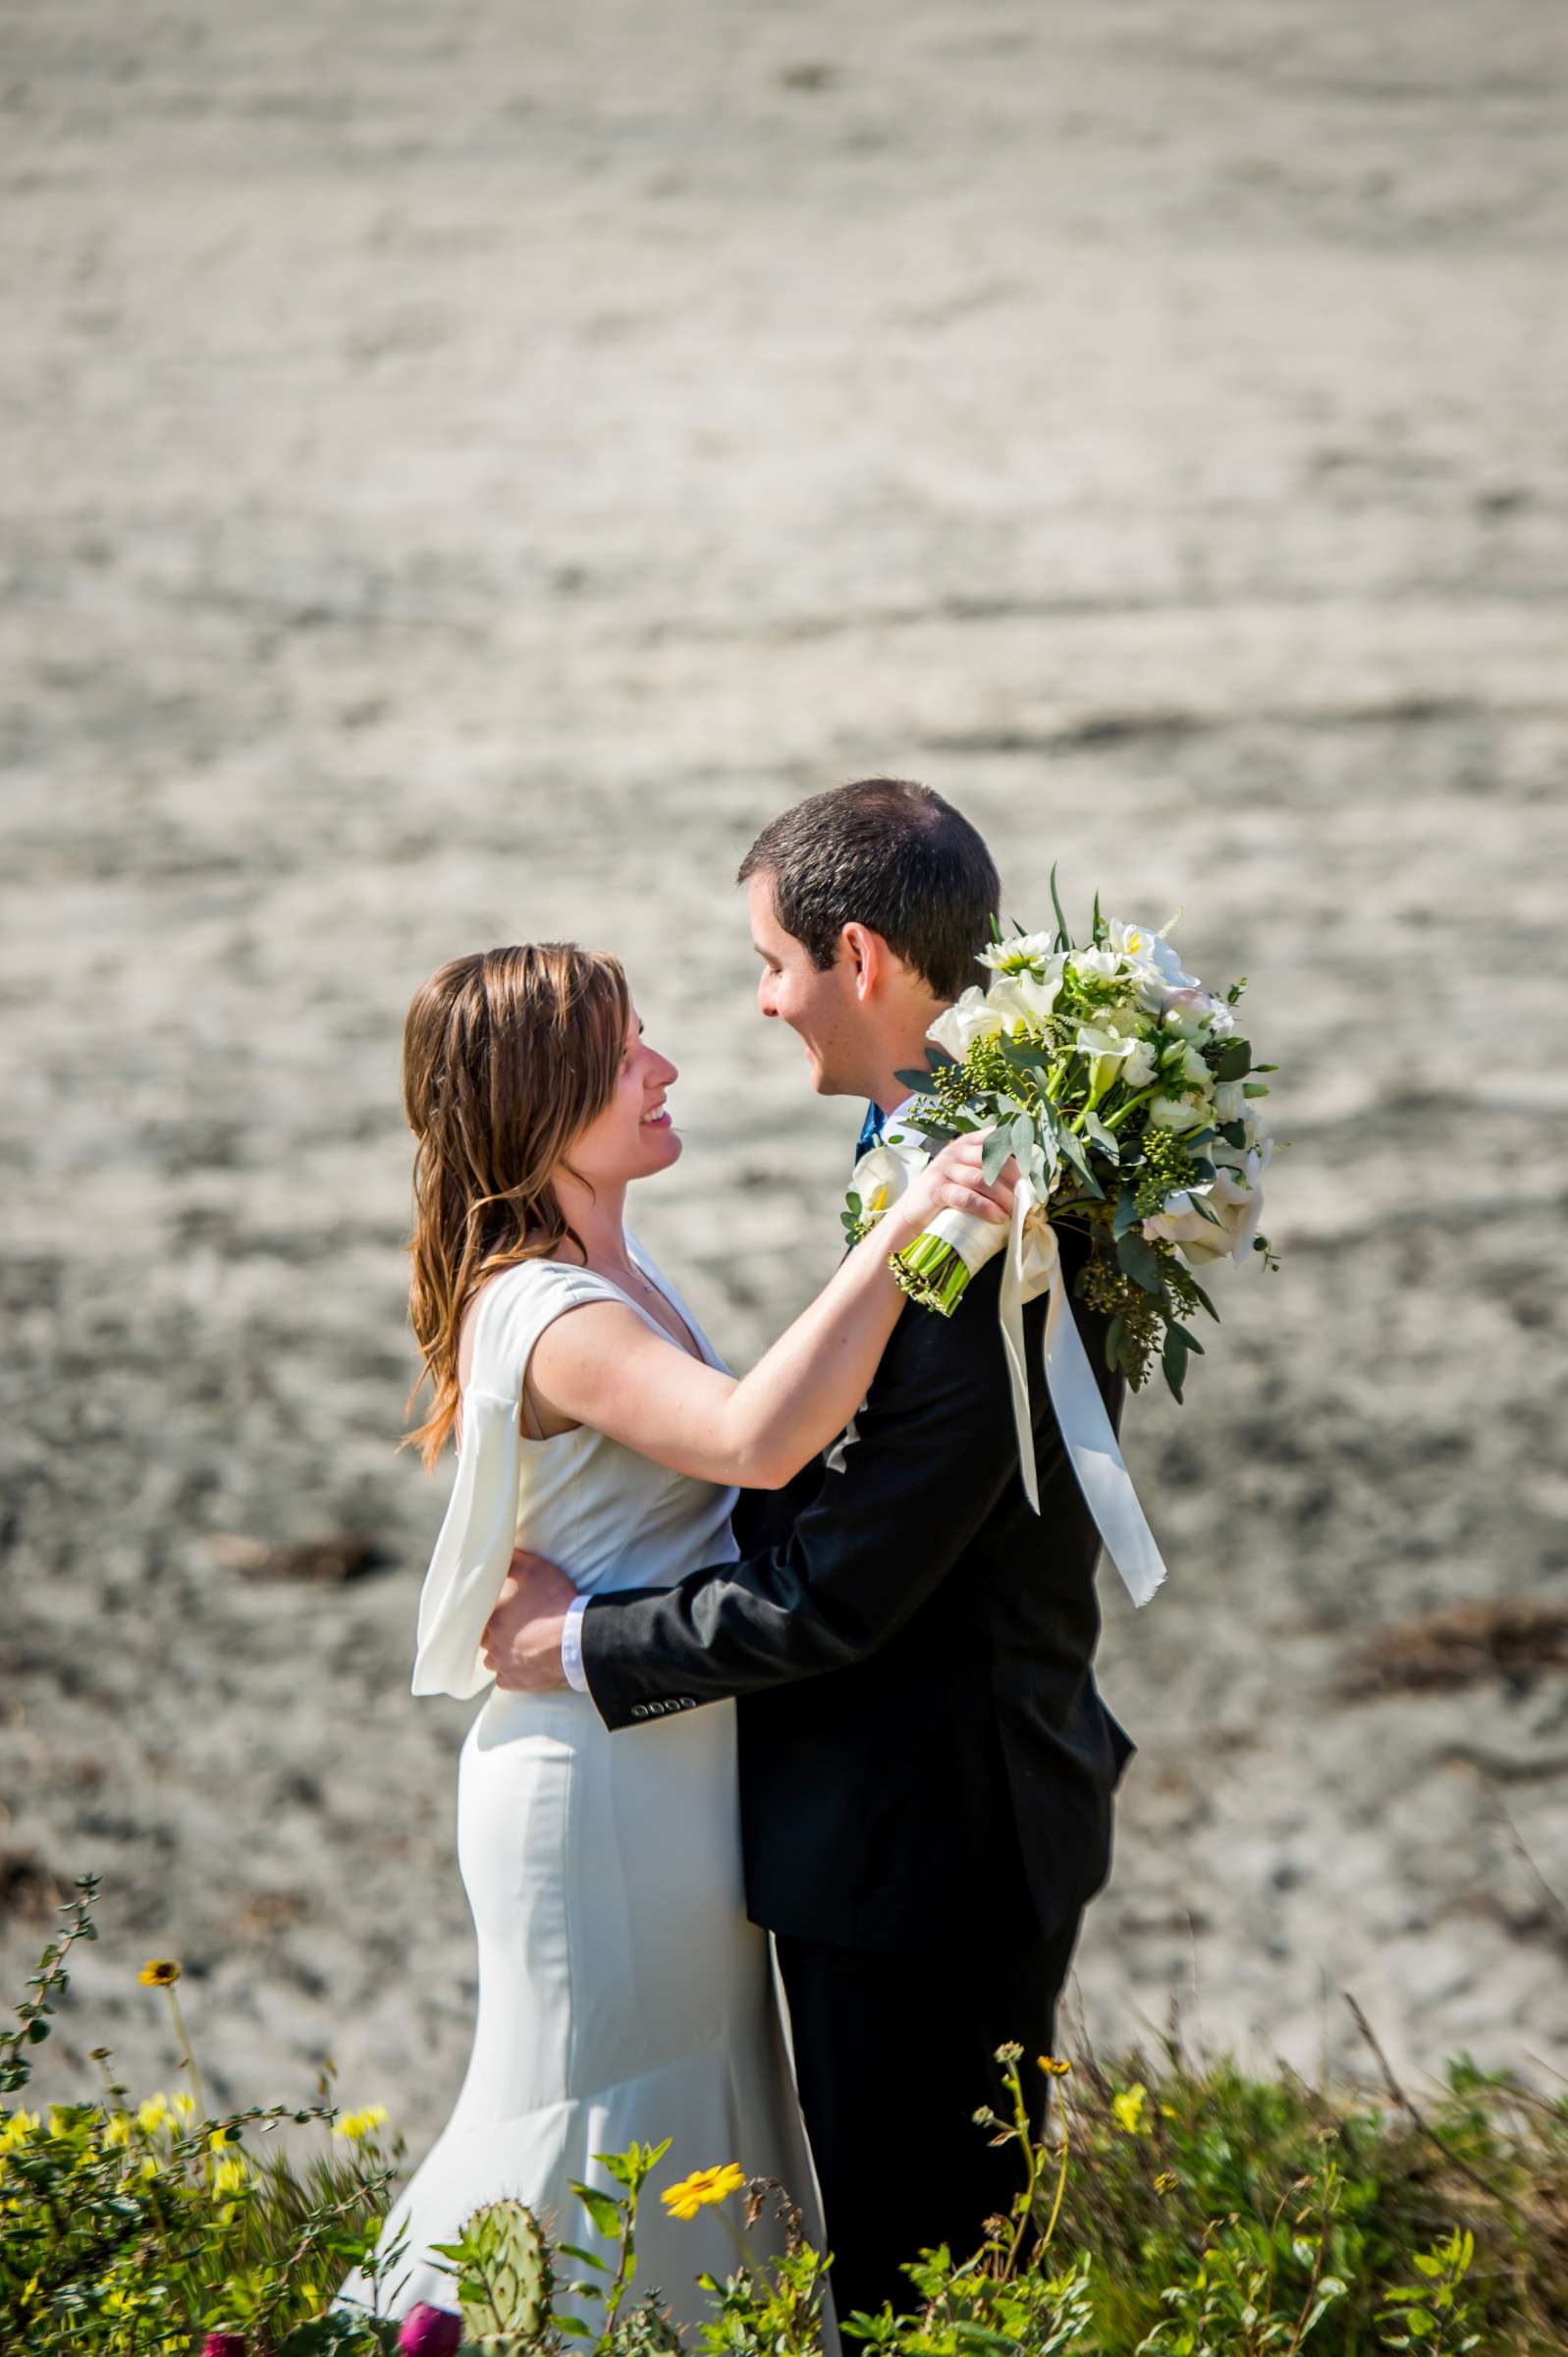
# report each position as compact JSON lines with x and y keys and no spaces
{"x":430,"y":2331}
{"x":224,"y":2345}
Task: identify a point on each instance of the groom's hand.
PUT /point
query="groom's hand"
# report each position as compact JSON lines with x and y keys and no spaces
{"x":521,"y":1640}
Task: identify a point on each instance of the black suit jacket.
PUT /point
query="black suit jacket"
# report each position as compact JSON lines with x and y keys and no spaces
{"x":922,"y":1746}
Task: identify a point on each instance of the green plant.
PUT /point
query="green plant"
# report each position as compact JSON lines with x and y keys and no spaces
{"x":1231,"y":2302}
{"x":1005,"y":2296}
{"x":774,"y":2309}
{"x":1165,"y":2206}
{"x":125,"y":2229}
{"x":1432,"y":2316}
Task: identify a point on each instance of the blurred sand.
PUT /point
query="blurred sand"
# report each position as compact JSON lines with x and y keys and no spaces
{"x":464,"y":469}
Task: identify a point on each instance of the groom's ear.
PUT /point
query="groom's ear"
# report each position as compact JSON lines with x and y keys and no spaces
{"x":868,"y":957}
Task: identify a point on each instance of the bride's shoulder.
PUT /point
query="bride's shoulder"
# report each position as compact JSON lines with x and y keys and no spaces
{"x":518,"y":1299}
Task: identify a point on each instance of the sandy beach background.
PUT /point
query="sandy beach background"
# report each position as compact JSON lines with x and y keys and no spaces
{"x":464,"y":469}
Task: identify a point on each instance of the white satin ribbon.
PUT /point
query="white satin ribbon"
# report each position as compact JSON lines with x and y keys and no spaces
{"x":1034,"y":1267}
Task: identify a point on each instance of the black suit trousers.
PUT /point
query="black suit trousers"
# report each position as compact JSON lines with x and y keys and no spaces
{"x":895,"y":2053}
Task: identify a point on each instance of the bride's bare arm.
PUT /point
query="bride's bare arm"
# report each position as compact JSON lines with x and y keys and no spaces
{"x":603,"y":1365}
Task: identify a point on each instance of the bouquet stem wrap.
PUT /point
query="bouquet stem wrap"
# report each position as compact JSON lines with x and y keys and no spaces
{"x":1033,"y":1268}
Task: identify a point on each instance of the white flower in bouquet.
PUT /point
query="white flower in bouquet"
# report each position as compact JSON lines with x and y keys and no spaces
{"x":1024,"y":1001}
{"x":1140,"y":1066}
{"x":1189,"y":1110}
{"x":969,"y":1019}
{"x":1152,"y":964}
{"x":1234,"y":1195}
{"x":1109,"y":1049}
{"x":1025,"y":953}
{"x":1143,"y":947}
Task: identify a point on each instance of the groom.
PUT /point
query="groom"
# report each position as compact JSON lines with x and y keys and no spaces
{"x":926,"y":1765}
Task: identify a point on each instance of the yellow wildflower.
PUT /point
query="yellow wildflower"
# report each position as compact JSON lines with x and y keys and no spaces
{"x":217,"y":2138}
{"x":358,"y":2124}
{"x":17,"y":2129}
{"x":230,"y":2178}
{"x":184,"y":2104}
{"x":1165,"y":2182}
{"x":161,"y":1972}
{"x":152,"y":2114}
{"x":703,"y":2189}
{"x":1050,"y":2064}
{"x":149,"y":2166}
{"x":1128,"y":2107}
{"x":118,"y":2130}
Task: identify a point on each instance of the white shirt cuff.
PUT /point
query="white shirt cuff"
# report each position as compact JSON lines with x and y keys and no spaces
{"x":572,"y":1645}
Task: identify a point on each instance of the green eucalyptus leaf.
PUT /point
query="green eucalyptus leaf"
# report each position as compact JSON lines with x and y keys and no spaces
{"x":1126,"y":1213}
{"x":1104,"y":1138}
{"x":920,"y":1082}
{"x":997,"y":1147}
{"x":1235,"y":1060}
{"x":1140,"y":1261}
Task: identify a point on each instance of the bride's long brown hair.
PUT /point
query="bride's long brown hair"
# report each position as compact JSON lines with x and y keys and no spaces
{"x":506,"y":1056}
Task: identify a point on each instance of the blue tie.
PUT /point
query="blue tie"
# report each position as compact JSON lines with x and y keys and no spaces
{"x":870,"y":1131}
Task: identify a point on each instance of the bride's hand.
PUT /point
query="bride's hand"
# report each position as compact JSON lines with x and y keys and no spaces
{"x":951,"y":1180}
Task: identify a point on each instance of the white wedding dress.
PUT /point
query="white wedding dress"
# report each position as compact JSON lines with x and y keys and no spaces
{"x":622,"y":1991}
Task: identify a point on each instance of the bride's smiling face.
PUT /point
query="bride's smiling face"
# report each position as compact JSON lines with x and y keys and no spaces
{"x":634,"y":1135}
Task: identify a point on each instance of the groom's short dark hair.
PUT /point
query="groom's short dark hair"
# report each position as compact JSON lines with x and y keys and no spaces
{"x":889,"y":854}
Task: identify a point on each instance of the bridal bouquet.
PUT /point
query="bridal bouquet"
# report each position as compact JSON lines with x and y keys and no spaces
{"x":1132,"y":1103}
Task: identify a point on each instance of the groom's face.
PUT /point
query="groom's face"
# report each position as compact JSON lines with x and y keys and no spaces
{"x":822,"y":1008}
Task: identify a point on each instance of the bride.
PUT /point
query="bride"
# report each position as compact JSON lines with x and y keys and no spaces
{"x":623,"y":1992}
